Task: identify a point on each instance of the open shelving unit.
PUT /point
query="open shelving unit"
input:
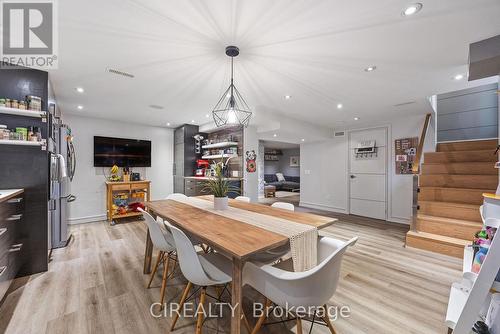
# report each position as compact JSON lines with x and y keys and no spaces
{"x":20,"y":112}
{"x":219,"y":156}
{"x":22,"y":142}
{"x":220,"y":145}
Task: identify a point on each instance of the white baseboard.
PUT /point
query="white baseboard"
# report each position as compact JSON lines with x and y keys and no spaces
{"x":322,"y":207}
{"x":85,"y":220}
{"x":399,"y":220}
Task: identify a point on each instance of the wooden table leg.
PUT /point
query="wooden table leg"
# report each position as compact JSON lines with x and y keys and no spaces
{"x":236,"y":295}
{"x":148,"y":254}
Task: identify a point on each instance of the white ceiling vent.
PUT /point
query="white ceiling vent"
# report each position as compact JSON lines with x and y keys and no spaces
{"x":339,"y":134}
{"x":117,"y":72}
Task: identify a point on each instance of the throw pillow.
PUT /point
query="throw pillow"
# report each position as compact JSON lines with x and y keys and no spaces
{"x":280,"y":177}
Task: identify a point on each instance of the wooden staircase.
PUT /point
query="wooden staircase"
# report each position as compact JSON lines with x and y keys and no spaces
{"x":451,"y":185}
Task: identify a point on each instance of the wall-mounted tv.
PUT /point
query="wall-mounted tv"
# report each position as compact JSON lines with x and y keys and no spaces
{"x":121,"y":152}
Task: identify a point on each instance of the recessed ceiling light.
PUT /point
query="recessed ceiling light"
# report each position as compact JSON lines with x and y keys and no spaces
{"x":80,"y":107}
{"x":192,"y":121}
{"x":340,"y":106}
{"x":458,"y":77}
{"x":303,"y":139}
{"x":275,"y":135}
{"x":412,"y":9}
{"x":207,"y":115}
{"x":288,"y":97}
{"x":80,"y":90}
{"x":370,"y":68}
{"x":168,"y":124}
{"x":356,"y":118}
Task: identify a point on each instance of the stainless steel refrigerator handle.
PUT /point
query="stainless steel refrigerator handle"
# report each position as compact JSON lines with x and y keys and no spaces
{"x":2,"y":231}
{"x":73,"y":161}
{"x":2,"y":270}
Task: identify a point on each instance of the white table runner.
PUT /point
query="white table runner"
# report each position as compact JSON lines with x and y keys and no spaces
{"x":303,"y":238}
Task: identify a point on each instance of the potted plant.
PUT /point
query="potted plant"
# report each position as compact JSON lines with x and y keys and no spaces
{"x":219,"y":186}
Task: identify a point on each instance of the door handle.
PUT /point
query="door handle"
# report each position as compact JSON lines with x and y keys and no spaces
{"x":14,"y":217}
{"x":15,"y":200}
{"x":353,"y":176}
{"x":15,"y":248}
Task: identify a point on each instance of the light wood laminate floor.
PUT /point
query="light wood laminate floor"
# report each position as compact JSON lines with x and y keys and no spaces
{"x":96,"y":285}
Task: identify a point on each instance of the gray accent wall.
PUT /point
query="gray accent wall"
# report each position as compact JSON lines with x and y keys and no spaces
{"x":468,"y":114}
{"x":283,"y":165}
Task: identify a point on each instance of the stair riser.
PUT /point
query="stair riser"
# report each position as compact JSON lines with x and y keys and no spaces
{"x":450,"y":230}
{"x":435,"y":246}
{"x":466,"y":168}
{"x":452,"y":195}
{"x":468,"y":146}
{"x":442,"y":210}
{"x":438,"y":210}
{"x":460,"y":181}
{"x":458,"y":156}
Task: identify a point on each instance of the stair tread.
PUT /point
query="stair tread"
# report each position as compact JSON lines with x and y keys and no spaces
{"x":440,"y":238}
{"x":461,"y":145}
{"x":461,"y":152}
{"x":449,"y":220}
{"x":455,"y":204}
{"x":464,"y":189}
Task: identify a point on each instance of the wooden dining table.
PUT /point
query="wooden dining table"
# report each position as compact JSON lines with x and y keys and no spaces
{"x":234,"y":239}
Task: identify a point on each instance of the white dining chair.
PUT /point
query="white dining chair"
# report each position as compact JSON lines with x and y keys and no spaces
{"x":199,"y":269}
{"x":283,"y":205}
{"x":175,"y":196}
{"x":243,"y":199}
{"x":310,"y":290}
{"x":164,"y":242}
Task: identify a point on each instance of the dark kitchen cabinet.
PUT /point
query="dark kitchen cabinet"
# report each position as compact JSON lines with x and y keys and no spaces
{"x":12,"y":242}
{"x":184,"y":155}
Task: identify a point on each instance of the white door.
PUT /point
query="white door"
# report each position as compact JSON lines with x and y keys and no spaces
{"x":368,"y":175}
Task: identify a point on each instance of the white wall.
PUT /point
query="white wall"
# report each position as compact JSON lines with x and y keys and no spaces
{"x":88,"y":184}
{"x":323,"y":174}
{"x":324,"y":171}
{"x":251,"y":180}
{"x":283,"y":164}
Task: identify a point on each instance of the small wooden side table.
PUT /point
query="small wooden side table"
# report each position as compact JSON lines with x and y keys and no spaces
{"x":269,"y":191}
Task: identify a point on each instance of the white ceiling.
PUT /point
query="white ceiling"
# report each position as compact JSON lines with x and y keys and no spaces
{"x":315,"y":51}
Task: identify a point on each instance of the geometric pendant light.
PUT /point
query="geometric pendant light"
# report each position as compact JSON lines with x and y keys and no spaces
{"x":231,"y":108}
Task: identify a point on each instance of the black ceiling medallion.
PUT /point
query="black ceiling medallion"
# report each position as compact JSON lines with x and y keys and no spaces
{"x":232,"y":108}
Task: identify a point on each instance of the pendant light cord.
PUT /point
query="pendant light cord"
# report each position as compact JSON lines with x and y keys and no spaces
{"x":231,"y":101}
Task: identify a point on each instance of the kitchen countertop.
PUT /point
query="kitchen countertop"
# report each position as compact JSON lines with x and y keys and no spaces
{"x":5,"y":194}
{"x":207,"y":178}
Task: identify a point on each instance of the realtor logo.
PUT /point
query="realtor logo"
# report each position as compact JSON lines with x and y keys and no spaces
{"x":28,"y":33}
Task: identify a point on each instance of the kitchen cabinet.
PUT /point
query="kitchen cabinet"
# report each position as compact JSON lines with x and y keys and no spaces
{"x":195,"y":186}
{"x":11,"y":237}
{"x":184,"y":155}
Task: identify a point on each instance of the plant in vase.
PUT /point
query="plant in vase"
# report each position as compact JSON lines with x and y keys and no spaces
{"x":219,"y":186}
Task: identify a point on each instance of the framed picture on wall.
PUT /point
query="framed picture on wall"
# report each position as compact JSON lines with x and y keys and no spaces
{"x":294,"y":161}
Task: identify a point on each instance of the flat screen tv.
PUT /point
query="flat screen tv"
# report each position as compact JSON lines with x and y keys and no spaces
{"x":121,"y":152}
